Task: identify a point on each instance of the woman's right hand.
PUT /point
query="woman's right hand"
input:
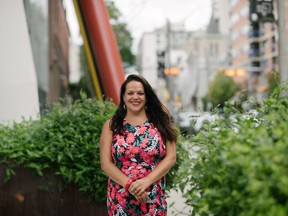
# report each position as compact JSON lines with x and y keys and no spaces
{"x":137,"y":189}
{"x":143,"y":197}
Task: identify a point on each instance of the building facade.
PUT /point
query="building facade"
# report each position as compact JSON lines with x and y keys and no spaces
{"x":191,"y":60}
{"x":36,"y":71}
{"x":58,"y":52}
{"x":49,"y":38}
{"x":254,"y":45}
{"x":171,"y":41}
{"x":207,"y":55}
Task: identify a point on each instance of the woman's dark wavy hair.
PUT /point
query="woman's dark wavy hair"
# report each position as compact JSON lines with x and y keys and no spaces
{"x":156,"y":112}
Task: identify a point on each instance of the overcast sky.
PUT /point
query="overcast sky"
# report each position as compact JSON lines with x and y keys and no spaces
{"x":146,"y":15}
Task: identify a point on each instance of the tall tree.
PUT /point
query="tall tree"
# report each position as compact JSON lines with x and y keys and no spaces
{"x":123,"y":36}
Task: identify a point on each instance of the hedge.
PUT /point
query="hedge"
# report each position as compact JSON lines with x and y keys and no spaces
{"x":65,"y":140}
{"x":240,"y":164}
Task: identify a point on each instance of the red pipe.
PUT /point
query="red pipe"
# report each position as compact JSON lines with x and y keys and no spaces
{"x":104,"y":47}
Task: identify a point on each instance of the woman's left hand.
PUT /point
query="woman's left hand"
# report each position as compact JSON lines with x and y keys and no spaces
{"x":139,"y":186}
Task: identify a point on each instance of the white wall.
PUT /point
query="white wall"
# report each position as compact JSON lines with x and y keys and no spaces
{"x":74,"y":62}
{"x":18,"y":83}
{"x":149,"y":59}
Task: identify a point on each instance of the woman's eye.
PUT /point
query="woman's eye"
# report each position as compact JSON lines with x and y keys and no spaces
{"x":141,"y":93}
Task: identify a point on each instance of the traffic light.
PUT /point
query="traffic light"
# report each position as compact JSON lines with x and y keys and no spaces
{"x":161,"y":63}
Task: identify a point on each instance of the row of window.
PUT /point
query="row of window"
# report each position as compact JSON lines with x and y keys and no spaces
{"x":254,"y":51}
{"x":243,"y":50}
{"x":243,"y":13}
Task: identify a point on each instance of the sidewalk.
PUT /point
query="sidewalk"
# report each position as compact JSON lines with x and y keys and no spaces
{"x":178,"y":208}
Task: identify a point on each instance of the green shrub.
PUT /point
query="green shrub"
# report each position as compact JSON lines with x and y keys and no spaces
{"x":65,"y":141}
{"x":241,"y":163}
{"x":221,"y":89}
{"x":182,"y":155}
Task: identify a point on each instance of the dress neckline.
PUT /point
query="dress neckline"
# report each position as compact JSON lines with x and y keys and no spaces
{"x":137,"y":125}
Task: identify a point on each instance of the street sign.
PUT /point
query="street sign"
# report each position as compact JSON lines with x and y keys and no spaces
{"x":261,"y":10}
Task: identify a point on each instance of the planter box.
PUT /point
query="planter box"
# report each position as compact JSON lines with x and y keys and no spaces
{"x":27,"y":194}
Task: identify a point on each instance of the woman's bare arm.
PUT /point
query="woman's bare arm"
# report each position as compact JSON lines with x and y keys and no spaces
{"x":107,"y":164}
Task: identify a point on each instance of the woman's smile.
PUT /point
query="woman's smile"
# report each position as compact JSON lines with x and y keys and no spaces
{"x":134,"y":96}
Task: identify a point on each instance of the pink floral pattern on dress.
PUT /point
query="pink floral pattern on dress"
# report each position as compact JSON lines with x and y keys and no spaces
{"x":136,"y":153}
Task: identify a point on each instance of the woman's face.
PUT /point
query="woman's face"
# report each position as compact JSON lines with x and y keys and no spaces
{"x":134,"y":96}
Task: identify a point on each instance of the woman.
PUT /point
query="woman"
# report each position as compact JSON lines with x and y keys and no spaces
{"x":137,"y":149}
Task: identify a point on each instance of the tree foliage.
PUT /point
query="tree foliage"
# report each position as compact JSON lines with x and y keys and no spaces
{"x":222,"y":89}
{"x":123,"y":35}
{"x":273,"y":79}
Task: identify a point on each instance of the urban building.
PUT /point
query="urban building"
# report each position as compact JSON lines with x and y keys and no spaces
{"x":169,"y":44}
{"x":58,"y":52}
{"x":147,"y":58}
{"x":207,"y":54}
{"x":219,"y":20}
{"x":180,"y":64}
{"x":18,"y":83}
{"x":49,"y":39}
{"x":74,"y":63}
{"x":34,"y":53}
{"x":254,"y":43}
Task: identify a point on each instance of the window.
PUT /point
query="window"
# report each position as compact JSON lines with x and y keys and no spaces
{"x":234,"y":18}
{"x":244,"y":11}
{"x":245,"y":29}
{"x":234,"y":35}
{"x":233,"y":2}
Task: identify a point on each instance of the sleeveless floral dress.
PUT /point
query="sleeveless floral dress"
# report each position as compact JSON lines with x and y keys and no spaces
{"x":136,"y":153}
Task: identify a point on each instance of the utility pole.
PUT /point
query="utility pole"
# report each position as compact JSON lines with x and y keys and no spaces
{"x":168,"y":63}
{"x":282,"y":40}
